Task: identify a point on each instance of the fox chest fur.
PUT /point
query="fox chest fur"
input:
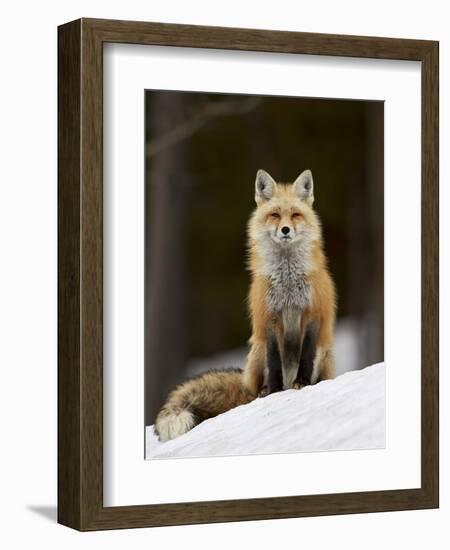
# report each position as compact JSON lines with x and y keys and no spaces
{"x":289,"y":287}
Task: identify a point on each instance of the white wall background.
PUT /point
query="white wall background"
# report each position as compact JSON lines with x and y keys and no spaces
{"x":28,"y":272}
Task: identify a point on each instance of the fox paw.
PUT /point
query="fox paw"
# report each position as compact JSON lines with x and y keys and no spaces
{"x":298,"y":386}
{"x":264,"y":391}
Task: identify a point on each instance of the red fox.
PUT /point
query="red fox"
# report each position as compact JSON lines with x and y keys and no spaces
{"x":292,"y":307}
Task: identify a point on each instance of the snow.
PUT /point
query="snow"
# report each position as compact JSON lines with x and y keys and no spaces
{"x":347,"y":413}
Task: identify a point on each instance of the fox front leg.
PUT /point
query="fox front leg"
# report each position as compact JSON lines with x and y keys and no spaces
{"x":274,"y":369}
{"x":292,"y":344}
{"x":307,"y":356}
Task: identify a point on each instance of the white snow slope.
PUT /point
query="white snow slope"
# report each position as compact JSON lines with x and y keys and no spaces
{"x":347,"y":413}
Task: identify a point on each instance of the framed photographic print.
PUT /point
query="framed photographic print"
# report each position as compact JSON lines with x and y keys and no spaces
{"x":248,"y":274}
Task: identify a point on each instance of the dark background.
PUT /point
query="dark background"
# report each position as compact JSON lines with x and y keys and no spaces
{"x":202,"y":154}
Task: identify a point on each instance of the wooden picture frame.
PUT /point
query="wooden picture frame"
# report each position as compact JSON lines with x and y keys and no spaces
{"x":80,"y":271}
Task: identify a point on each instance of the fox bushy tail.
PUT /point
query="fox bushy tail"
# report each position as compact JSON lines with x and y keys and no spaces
{"x":199,"y":398}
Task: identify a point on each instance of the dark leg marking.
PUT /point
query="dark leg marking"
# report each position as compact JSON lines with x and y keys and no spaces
{"x":291,"y":358}
{"x":274,"y":363}
{"x":308,"y":354}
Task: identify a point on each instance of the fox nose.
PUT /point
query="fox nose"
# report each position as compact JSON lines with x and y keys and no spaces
{"x":285,"y":230}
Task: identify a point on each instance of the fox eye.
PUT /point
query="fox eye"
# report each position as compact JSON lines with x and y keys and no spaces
{"x":275,"y":215}
{"x":296,"y":215}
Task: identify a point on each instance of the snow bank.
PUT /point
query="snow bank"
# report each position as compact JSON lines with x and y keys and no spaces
{"x":347,"y":413}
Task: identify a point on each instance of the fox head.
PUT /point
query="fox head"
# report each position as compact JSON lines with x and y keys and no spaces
{"x":284,"y":212}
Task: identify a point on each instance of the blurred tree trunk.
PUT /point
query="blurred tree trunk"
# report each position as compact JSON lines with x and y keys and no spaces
{"x":375,"y":187}
{"x":167,"y":194}
{"x":359,"y":265}
{"x":366,"y":244}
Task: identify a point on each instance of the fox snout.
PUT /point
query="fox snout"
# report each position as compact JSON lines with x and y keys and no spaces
{"x":286,"y":233}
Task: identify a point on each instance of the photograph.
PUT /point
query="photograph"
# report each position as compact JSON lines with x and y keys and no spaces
{"x":264,"y":274}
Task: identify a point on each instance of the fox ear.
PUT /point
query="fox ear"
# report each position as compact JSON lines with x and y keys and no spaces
{"x":304,"y":186}
{"x":265,"y":187}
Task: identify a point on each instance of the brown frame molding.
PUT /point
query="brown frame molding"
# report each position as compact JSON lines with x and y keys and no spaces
{"x":80,"y":414}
